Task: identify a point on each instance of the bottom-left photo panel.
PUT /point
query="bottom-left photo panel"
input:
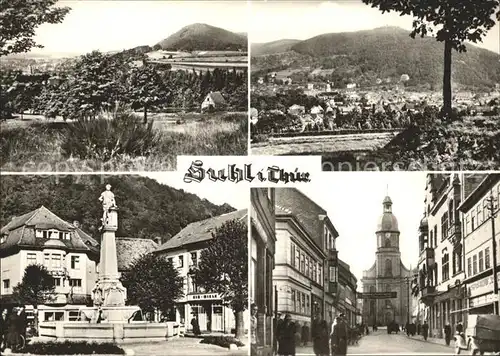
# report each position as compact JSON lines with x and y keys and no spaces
{"x":123,"y":264}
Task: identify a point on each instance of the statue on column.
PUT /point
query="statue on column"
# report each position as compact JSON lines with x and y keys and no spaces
{"x":108,"y":201}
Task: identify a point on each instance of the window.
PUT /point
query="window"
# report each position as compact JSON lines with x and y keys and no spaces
{"x":6,"y":284}
{"x":432,"y":240}
{"x":303,"y":309}
{"x":308,"y":306}
{"x":333,"y":274}
{"x":469,"y":267}
{"x":445,"y":261}
{"x":474,"y":264}
{"x":486,"y":211}
{"x":435,"y":235}
{"x":473,"y":219}
{"x":75,"y":262}
{"x":479,"y":216}
{"x":292,"y":254}
{"x":458,"y":261}
{"x":487,"y":258}
{"x":481,"y":262}
{"x":194,"y":258}
{"x":76,"y":285}
{"x":302,"y":262}
{"x":57,"y":282}
{"x":444,"y":226}
{"x":38,"y":233}
{"x":181,"y":261}
{"x":73,"y":315}
{"x":31,"y":258}
{"x":387,"y":242}
{"x":451,"y":216}
{"x":307,"y":266}
{"x":315,"y":271}
{"x":320,"y":274}
{"x":45,"y":234}
{"x":171,"y":260}
{"x":467,"y":224}
{"x":46,"y":259}
{"x":56,"y":261}
{"x":297,"y":258}
{"x":294,"y":301}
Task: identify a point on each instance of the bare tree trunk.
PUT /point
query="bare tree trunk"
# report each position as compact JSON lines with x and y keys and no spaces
{"x":447,"y":78}
{"x":145,"y":121}
{"x":240,"y":325}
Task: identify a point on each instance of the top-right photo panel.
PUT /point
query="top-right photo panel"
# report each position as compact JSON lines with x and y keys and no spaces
{"x":377,"y":84}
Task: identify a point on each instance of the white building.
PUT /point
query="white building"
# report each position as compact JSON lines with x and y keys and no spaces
{"x":184,"y":251}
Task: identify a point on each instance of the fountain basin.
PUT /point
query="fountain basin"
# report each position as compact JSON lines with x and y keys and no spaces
{"x":135,"y":331}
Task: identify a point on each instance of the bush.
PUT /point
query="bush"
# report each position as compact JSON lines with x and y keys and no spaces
{"x":72,"y":348}
{"x":222,"y":341}
{"x":104,"y":139}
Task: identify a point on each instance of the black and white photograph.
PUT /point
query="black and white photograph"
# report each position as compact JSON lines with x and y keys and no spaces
{"x":90,"y":86}
{"x":124,"y":264}
{"x":377,"y":85}
{"x":385,"y":263}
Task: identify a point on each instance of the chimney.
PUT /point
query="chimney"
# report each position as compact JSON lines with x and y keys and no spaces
{"x":76,"y":223}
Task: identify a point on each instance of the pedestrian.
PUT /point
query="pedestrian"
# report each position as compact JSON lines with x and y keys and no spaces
{"x":253,"y":329}
{"x":22,"y":321}
{"x":286,"y":341}
{"x":12,"y":337}
{"x":316,"y":334}
{"x":419,"y":328}
{"x":304,"y":337}
{"x":339,"y":336}
{"x":323,"y":347}
{"x":277,"y":329}
{"x":447,"y":333}
{"x":425,"y":330}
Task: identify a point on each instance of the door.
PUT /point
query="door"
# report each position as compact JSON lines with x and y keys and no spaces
{"x":217,"y":320}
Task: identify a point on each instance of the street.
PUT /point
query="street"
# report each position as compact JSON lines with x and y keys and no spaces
{"x":394,"y":344}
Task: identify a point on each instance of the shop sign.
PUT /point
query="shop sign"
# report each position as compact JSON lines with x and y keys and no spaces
{"x":482,"y":286}
{"x":203,"y":296}
{"x":482,"y":300}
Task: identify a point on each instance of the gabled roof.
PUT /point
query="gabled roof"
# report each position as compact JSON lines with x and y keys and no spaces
{"x":129,"y":249}
{"x":217,"y":97}
{"x":201,"y":230}
{"x":20,"y":231}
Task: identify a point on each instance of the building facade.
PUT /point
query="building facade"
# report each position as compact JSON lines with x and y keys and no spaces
{"x":69,"y":254}
{"x":346,"y":300}
{"x":441,"y":267}
{"x":262,"y":261}
{"x":306,"y":273}
{"x":481,"y":228}
{"x":388,"y":274}
{"x":184,"y":251}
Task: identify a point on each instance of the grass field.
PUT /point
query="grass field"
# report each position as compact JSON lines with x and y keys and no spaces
{"x":35,"y":144}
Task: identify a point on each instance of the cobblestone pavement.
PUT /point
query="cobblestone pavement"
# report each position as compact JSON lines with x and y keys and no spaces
{"x":394,"y":344}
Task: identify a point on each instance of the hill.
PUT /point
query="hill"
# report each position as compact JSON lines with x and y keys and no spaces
{"x":389,"y":52}
{"x":147,"y":209}
{"x":199,"y":37}
{"x":274,"y":47}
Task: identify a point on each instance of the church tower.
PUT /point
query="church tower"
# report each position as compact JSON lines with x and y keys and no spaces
{"x":387,"y":274}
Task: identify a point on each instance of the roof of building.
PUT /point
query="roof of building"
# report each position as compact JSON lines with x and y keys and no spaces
{"x":129,"y":249}
{"x":387,"y":221}
{"x":20,"y":231}
{"x":200,"y":231}
{"x":217,"y":97}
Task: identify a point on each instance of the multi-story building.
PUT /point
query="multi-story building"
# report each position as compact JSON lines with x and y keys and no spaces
{"x":347,"y":284}
{"x":388,"y":274}
{"x":305,"y":249}
{"x":184,"y":251}
{"x":262,"y":251}
{"x":481,"y":230}
{"x":441,"y":258}
{"x":69,"y":254}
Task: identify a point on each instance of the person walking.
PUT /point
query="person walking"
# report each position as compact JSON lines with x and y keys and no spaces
{"x":425,"y":330}
{"x":253,"y":329}
{"x":286,"y":334}
{"x":323,"y":347}
{"x":447,"y":333}
{"x":196,"y":325}
{"x":339,"y":336}
{"x":316,"y":334}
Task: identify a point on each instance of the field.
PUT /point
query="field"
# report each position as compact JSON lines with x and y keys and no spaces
{"x":201,"y":59}
{"x":37,"y":144}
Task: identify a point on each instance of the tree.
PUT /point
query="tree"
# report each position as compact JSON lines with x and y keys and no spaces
{"x":456,"y":21}
{"x":37,"y":287}
{"x":223,"y":268}
{"x":153,"y":284}
{"x":19,"y":20}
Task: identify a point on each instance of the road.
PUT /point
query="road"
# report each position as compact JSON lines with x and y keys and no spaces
{"x":394,"y":344}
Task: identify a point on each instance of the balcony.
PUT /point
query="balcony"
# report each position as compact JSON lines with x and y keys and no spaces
{"x":455,"y":234}
{"x":427,"y":294}
{"x":426,"y":255}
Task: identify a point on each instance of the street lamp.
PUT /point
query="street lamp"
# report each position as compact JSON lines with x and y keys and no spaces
{"x":491,"y":207}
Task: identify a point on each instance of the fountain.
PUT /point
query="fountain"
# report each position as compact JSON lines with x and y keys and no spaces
{"x":109,"y":319}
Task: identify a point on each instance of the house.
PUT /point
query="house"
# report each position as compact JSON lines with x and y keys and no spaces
{"x":214,"y":101}
{"x":68,"y":253}
{"x":184,"y":251}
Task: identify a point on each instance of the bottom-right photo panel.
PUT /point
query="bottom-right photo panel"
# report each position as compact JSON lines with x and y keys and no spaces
{"x":371,"y":263}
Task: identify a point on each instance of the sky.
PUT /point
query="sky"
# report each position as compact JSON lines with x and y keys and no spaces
{"x":233,"y":194}
{"x":116,"y":25}
{"x":353,"y":202}
{"x":275,"y":20}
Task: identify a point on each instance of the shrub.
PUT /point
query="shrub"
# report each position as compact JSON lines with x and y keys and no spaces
{"x":260,"y":138}
{"x":72,"y":348}
{"x":104,"y":139}
{"x":222,"y":341}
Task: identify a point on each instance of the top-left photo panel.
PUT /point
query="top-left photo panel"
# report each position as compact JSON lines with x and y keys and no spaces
{"x":120,"y":86}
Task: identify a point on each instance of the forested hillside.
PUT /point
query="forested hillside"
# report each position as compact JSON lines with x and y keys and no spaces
{"x":147,"y":209}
